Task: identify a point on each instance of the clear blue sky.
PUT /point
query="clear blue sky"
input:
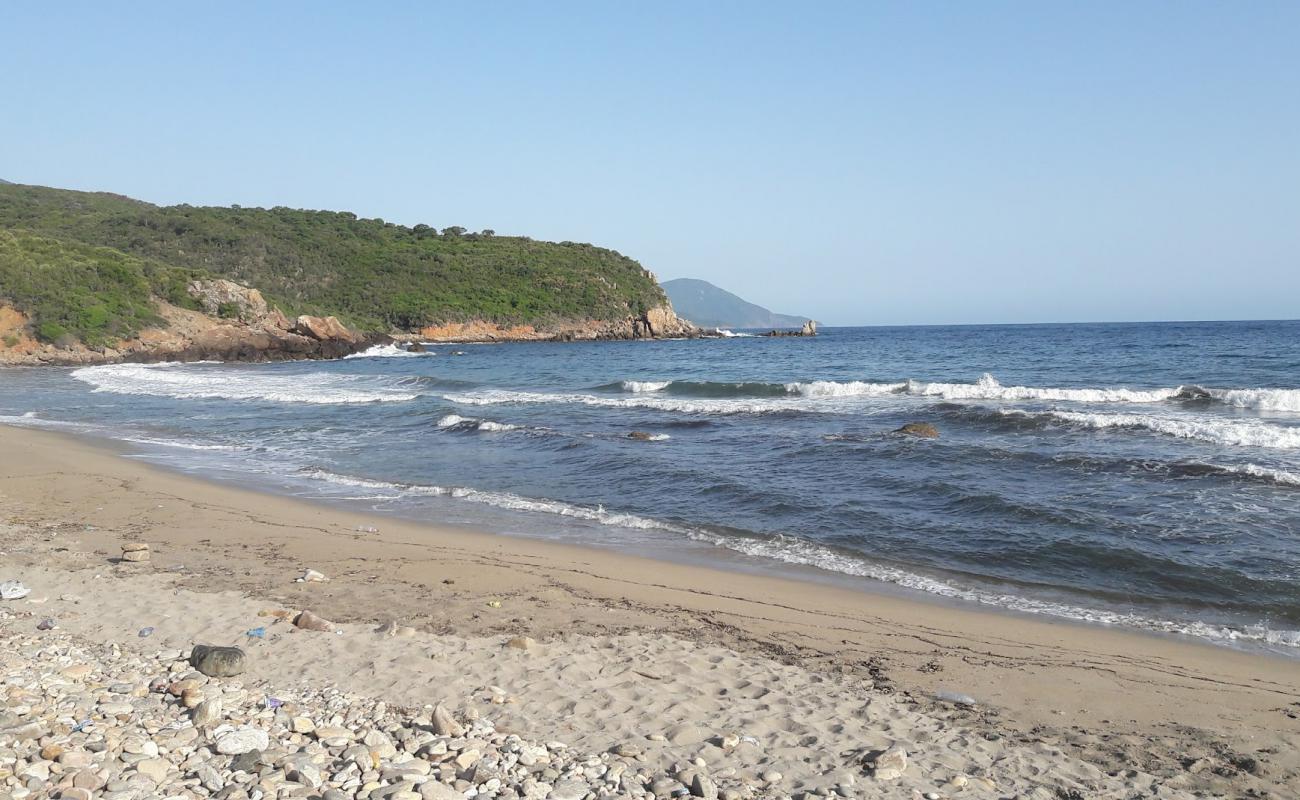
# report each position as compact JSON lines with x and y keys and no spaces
{"x":920,"y":162}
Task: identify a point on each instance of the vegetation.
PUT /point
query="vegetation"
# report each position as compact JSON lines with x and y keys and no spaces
{"x":372,"y":274}
{"x":79,"y":291}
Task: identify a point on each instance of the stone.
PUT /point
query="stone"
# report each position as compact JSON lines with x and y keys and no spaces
{"x":522,"y":643}
{"x":640,"y":436}
{"x":444,"y":724}
{"x":772,"y":776}
{"x":78,"y":672}
{"x":433,"y":790}
{"x":246,"y":762}
{"x":207,"y":713}
{"x":242,"y":740}
{"x":302,"y":725}
{"x":889,"y":764}
{"x":310,"y":622}
{"x":334,"y":737}
{"x":135,"y":551}
{"x":155,"y":769}
{"x":75,"y":793}
{"x":923,"y":430}
{"x":312,"y":576}
{"x":218,"y":661}
{"x":703,"y":786}
{"x":569,"y":790}
{"x":191,"y":698}
{"x":51,"y":752}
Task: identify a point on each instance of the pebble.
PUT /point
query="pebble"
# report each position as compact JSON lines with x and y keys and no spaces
{"x":135,"y":551}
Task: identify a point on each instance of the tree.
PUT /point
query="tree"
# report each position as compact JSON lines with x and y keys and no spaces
{"x":488,"y":233}
{"x":454,"y":230}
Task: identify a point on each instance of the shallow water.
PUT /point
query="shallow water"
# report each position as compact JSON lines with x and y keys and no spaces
{"x":1143,"y":474}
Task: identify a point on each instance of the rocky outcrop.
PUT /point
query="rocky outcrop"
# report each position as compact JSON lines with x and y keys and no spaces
{"x":222,"y":298}
{"x":809,"y":329}
{"x":324,"y":329}
{"x":659,"y":322}
{"x":196,"y":336}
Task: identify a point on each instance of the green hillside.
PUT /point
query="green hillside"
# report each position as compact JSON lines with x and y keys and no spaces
{"x":374,"y":275}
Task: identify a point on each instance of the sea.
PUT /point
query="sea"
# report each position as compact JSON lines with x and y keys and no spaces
{"x":1144,"y":476}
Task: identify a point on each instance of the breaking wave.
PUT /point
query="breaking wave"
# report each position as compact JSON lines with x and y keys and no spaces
{"x":457,"y":422}
{"x":188,"y":382}
{"x":645,"y":386}
{"x":388,"y":351}
{"x":1232,"y":432}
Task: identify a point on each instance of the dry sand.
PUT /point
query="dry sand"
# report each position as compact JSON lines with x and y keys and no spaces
{"x":630,"y":647}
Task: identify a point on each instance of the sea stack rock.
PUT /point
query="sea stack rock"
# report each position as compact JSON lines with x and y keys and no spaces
{"x":135,"y":551}
{"x":809,"y":329}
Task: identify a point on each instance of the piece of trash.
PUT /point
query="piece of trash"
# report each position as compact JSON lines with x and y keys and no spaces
{"x":13,"y":590}
{"x":274,"y":702}
{"x":956,"y":698}
{"x":146,"y":632}
{"x":45,"y":625}
{"x":312,"y":576}
{"x":257,"y":633}
{"x":494,"y":603}
{"x":81,"y":726}
{"x":367,"y":529}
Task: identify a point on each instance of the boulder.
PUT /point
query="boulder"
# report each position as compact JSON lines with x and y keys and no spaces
{"x":922,"y":429}
{"x":216,"y":661}
{"x":640,"y":436}
{"x":809,"y":329}
{"x":323,"y":329}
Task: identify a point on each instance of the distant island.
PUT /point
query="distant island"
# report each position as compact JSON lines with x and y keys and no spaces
{"x":90,"y":276}
{"x":708,"y":306}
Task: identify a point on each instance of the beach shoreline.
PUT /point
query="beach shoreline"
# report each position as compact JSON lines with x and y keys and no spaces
{"x":1198,"y":717}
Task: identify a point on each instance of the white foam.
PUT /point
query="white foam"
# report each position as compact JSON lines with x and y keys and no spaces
{"x":844,"y":389}
{"x":1262,"y":399}
{"x":796,"y":551}
{"x":1232,"y":432}
{"x":645,"y":400}
{"x":988,"y":388}
{"x":726,"y":334}
{"x":387,"y":351}
{"x":508,"y":501}
{"x":187,"y":382}
{"x":645,"y":386}
{"x":486,"y":425}
{"x":30,"y":419}
{"x":1279,"y":476}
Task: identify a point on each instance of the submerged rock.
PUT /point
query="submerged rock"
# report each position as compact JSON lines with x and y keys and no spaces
{"x":922,"y":429}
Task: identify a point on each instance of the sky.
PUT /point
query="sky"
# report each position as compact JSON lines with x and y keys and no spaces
{"x":861,"y":163}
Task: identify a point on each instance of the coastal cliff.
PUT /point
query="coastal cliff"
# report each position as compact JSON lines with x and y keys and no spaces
{"x":94,"y":277}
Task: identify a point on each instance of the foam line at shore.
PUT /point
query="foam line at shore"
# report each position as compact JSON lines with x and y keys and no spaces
{"x":791,"y":550}
{"x":183,"y":382}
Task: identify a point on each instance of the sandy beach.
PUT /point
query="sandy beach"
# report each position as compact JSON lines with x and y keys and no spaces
{"x":667,"y":660}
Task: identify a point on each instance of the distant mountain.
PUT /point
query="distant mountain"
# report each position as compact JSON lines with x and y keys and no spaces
{"x":710,"y":307}
{"x":2,"y":180}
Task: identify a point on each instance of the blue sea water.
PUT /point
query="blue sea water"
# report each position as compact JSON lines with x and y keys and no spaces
{"x":1143,"y":475}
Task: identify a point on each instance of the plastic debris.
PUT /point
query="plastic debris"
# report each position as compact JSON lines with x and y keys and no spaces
{"x":83,"y":725}
{"x":312,"y":576}
{"x":367,"y":529}
{"x":274,"y":702}
{"x":146,"y":632}
{"x":956,"y":698}
{"x":257,"y":633}
{"x":494,"y":603}
{"x":13,"y":590}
